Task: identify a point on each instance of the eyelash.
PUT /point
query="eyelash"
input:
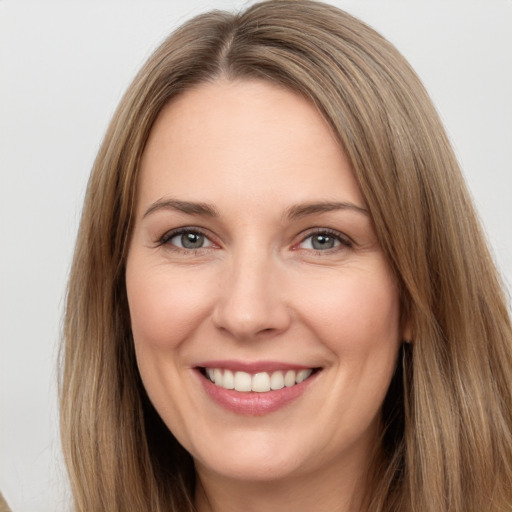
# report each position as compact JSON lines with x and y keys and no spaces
{"x":169,"y":235}
{"x":343,"y":240}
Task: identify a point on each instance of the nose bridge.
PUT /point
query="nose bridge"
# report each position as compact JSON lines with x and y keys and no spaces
{"x":252,"y":302}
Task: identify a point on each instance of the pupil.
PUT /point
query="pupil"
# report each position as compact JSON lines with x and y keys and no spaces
{"x":192,"y":240}
{"x":322,"y":242}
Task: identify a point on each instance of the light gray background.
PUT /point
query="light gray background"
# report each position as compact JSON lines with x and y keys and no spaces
{"x":63,"y":68}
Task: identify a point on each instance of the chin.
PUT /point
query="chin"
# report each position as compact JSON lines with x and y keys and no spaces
{"x":260,"y":459}
{"x":268,"y":469}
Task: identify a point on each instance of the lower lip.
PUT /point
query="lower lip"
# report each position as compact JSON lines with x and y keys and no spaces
{"x":252,"y":403}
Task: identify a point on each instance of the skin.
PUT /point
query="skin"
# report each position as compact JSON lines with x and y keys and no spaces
{"x":258,"y":289}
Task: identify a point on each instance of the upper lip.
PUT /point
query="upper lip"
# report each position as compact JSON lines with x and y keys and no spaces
{"x":252,"y":366}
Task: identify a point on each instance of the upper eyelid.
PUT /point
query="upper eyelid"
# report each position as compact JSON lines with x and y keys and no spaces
{"x":185,"y":229}
{"x":319,"y":230}
{"x":301,"y":237}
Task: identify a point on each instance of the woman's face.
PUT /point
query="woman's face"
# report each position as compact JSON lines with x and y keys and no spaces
{"x":254,"y":264}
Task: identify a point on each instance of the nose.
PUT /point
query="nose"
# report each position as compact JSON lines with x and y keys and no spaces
{"x":252,"y":301}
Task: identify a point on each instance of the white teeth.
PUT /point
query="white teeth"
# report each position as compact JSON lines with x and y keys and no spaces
{"x":242,"y":381}
{"x":260,"y":382}
{"x":289,"y":378}
{"x":217,"y":376}
{"x":228,"y":381}
{"x":302,"y":375}
{"x":277,"y":380}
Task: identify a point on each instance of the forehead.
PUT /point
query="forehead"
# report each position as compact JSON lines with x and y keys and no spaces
{"x":244,"y":139}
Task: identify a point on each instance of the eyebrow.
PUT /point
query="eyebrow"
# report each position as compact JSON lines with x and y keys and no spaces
{"x":291,"y":213}
{"x":303,"y":210}
{"x":188,"y":207}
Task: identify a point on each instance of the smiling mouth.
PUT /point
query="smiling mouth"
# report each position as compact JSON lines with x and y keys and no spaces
{"x":261,"y":382}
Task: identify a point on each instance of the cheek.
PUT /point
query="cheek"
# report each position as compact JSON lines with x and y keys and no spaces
{"x":165,"y":306}
{"x":357,"y":318}
{"x":359,"y":324}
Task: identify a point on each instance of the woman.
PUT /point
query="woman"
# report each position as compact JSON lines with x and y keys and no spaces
{"x":281,"y":296}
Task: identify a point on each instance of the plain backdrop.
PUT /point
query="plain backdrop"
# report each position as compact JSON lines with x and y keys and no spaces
{"x":63,"y":68}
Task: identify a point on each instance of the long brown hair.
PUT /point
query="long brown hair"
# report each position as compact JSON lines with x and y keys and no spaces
{"x":447,"y":440}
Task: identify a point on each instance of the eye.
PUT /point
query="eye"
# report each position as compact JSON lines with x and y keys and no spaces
{"x":324,"y":240}
{"x":187,"y":239}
